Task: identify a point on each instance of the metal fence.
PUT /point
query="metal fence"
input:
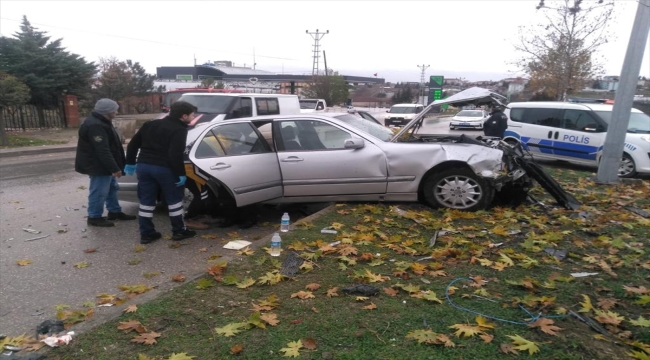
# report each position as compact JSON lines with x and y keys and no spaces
{"x":26,"y":117}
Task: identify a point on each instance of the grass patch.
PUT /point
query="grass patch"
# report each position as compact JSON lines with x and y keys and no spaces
{"x":21,"y":141}
{"x":501,"y":252}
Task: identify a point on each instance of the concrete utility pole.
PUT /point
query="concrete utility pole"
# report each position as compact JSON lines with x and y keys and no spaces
{"x":615,"y":138}
{"x":423,"y":69}
{"x":316,"y":51}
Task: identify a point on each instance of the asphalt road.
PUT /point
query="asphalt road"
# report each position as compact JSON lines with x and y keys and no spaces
{"x":44,"y":194}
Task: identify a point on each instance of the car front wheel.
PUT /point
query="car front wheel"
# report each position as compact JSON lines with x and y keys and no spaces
{"x":627,"y":168}
{"x":458,"y":189}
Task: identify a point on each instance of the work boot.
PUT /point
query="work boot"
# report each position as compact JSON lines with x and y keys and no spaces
{"x":190,"y":224}
{"x":183,"y":234}
{"x":147,"y":239}
{"x":120,"y":216}
{"x":100,"y":221}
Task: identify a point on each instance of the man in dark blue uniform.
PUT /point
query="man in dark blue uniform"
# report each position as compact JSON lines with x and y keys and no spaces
{"x":497,"y":123}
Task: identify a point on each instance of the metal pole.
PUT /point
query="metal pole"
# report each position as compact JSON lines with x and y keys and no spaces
{"x":325,"y":61}
{"x":615,"y":138}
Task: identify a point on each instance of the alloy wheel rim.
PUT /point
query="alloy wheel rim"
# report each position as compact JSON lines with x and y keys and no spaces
{"x":458,"y":192}
{"x":626,"y":167}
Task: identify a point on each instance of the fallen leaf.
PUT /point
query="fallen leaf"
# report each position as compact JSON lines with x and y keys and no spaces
{"x":178,"y":278}
{"x":303,"y":295}
{"x":81,"y":265}
{"x":24,"y":262}
{"x":332,"y":292}
{"x":586,"y":305}
{"x":139,"y":248}
{"x":309,"y":344}
{"x":390,"y":291}
{"x":131,"y":325}
{"x":232,"y":329}
{"x":641,"y":290}
{"x":179,"y":356}
{"x":608,"y":317}
{"x":483,"y":323}
{"x":507,"y":349}
{"x":91,"y":250}
{"x":236,"y":349}
{"x":206,"y":250}
{"x":246,"y":251}
{"x":247,"y":282}
{"x":372,"y":306}
{"x":546,"y":325}
{"x":361,"y":298}
{"x":292,"y":349}
{"x":270,"y":318}
{"x":296,"y":322}
{"x":641,"y":321}
{"x":146,"y":338}
{"x":523,"y":344}
{"x":465,"y":330}
{"x":487,"y":338}
{"x":131,"y":308}
{"x":313,"y":286}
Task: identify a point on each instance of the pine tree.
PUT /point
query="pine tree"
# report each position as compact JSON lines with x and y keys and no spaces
{"x":44,"y":66}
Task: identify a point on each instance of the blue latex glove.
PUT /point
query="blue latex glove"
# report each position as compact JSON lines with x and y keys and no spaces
{"x":130,"y":169}
{"x":181,"y":181}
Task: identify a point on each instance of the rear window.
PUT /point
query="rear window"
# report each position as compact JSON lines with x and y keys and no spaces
{"x":209,"y":104}
{"x":402,"y":110}
{"x":470,"y":113}
{"x":267,"y":106}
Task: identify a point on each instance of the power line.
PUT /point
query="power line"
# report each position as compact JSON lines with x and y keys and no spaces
{"x":149,"y":41}
{"x":316,"y":36}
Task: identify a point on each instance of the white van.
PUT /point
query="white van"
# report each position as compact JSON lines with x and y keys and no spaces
{"x":401,"y":114}
{"x":222,"y":106}
{"x":576,"y":133}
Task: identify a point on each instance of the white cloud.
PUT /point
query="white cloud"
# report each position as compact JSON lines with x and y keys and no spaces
{"x":470,"y":39}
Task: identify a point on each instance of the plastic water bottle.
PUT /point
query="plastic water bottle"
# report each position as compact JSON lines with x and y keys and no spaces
{"x":284,"y":224}
{"x":276,"y":245}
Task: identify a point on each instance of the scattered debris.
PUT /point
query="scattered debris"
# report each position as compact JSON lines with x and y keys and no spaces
{"x":38,"y":237}
{"x":582,"y":215}
{"x":637,"y":211}
{"x":54,"y":341}
{"x":50,"y":327}
{"x":334,"y":243}
{"x":237,"y":244}
{"x":514,"y":232}
{"x":587,"y":320}
{"x":31,"y":231}
{"x":328,"y":230}
{"x":559,"y":254}
{"x":361,"y":289}
{"x":13,"y":348}
{"x":582,"y":274}
{"x":291,"y":264}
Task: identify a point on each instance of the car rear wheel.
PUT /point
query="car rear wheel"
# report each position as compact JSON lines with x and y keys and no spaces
{"x":627,"y":168}
{"x":458,"y":189}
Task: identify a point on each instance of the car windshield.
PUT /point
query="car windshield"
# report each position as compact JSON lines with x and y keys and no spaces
{"x":308,"y":104}
{"x":639,"y":122}
{"x":402,"y":110}
{"x":368,"y":126}
{"x":171,"y":98}
{"x":470,"y":113}
{"x":209,"y":104}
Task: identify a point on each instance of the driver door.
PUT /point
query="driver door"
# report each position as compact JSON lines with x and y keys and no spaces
{"x":239,"y":157}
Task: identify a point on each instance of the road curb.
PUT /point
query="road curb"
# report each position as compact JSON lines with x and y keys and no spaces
{"x":36,"y":151}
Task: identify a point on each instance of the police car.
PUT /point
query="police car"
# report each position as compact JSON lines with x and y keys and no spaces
{"x":576,"y":133}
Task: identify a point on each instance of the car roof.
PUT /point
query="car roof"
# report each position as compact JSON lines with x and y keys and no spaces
{"x":240,"y":94}
{"x":565,"y":105}
{"x":407,"y":105}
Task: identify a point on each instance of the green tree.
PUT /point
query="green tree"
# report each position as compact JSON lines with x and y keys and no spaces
{"x":207,"y":82}
{"x":118,"y":80}
{"x":332,"y":88}
{"x":44,"y":66}
{"x":220,"y":85}
{"x":12,"y":92}
{"x":559,"y":55}
{"x":403,"y":96}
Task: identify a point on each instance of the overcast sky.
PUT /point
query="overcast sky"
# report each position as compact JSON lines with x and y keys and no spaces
{"x":470,"y":39}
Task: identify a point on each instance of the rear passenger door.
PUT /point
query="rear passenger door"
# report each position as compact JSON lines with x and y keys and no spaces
{"x":580,"y":137}
{"x":537,"y":128}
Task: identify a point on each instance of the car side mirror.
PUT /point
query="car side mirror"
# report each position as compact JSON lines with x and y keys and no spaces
{"x":354,"y":143}
{"x":387,"y":110}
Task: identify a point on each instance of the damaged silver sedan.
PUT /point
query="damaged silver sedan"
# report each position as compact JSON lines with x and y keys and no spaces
{"x":340,"y":157}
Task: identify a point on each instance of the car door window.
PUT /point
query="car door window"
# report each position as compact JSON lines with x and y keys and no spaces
{"x":311,"y":135}
{"x":541,"y":116}
{"x":578,"y":120}
{"x":243,"y":108}
{"x":209,"y":147}
{"x":240,"y":139}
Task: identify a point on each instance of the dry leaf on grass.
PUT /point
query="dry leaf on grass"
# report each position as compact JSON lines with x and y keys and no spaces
{"x":131,"y":308}
{"x":313,"y":286}
{"x":391,"y":291}
{"x":309,"y":344}
{"x":236,"y":349}
{"x":546,"y":325}
{"x":178,"y":278}
{"x":333,"y":292}
{"x":303,"y":295}
{"x":146,"y":338}
{"x":131,"y":325}
{"x":372,"y":306}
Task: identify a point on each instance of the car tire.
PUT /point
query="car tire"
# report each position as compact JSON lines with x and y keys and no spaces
{"x":458,"y":189}
{"x":452,"y":128}
{"x":627,"y":168}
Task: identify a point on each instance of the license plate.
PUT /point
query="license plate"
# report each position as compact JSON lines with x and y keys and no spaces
{"x":397,"y":121}
{"x":464,"y":124}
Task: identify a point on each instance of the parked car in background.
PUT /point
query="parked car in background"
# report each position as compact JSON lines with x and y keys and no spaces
{"x":469,"y":119}
{"x":575,"y":132}
{"x":401,"y":114}
{"x":312,"y":105}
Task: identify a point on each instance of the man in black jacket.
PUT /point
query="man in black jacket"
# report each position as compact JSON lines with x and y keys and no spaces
{"x":496,"y":124}
{"x":160,"y":167}
{"x":100,"y":155}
